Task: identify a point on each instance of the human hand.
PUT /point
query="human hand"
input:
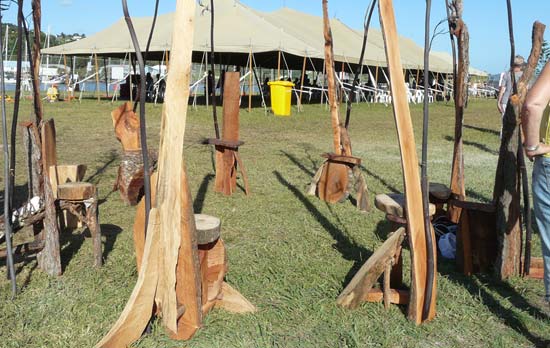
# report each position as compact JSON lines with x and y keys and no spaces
{"x":541,"y":150}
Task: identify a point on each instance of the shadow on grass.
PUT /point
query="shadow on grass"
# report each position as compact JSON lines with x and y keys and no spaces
{"x":483,"y":130}
{"x":392,"y":188}
{"x":347,"y":247}
{"x":70,"y":243}
{"x":198,"y":203}
{"x":479,"y":286}
{"x":110,"y":158}
{"x":299,"y":164}
{"x":481,"y":147}
{"x":110,"y":232}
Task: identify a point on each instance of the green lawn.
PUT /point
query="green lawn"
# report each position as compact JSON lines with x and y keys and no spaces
{"x":289,"y":254}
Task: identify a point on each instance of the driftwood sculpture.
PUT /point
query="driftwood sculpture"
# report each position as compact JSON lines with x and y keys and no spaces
{"x":340,"y":171}
{"x":359,"y":289}
{"x":130,"y":178}
{"x":170,"y":273}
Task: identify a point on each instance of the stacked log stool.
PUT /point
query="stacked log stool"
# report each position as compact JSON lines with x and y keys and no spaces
{"x":228,"y":160}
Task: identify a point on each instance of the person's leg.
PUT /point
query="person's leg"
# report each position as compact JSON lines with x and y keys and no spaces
{"x":541,"y":203}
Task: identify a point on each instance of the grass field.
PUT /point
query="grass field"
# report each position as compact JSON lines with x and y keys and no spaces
{"x":289,"y":254}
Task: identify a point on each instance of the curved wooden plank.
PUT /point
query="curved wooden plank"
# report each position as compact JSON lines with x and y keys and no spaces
{"x":172,"y":191}
{"x":409,"y":162}
{"x":135,"y":316}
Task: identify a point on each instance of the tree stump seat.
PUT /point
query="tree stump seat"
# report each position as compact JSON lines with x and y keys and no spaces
{"x":439,"y":193}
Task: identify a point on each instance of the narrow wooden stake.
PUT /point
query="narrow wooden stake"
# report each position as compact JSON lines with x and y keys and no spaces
{"x":387,"y":288}
{"x":37,"y":15}
{"x":376,"y":78}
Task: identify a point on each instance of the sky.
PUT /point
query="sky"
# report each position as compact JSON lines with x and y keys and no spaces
{"x":486,"y":19}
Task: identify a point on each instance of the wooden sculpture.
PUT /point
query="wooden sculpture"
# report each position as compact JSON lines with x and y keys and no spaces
{"x":383,"y":259}
{"x":170,"y":274}
{"x":228,"y":160}
{"x":130,"y":175}
{"x":340,"y":171}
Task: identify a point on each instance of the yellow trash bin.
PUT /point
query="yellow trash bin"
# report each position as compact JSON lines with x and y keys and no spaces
{"x":281,"y":93}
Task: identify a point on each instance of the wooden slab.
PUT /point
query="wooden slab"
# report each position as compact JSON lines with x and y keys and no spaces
{"x":173,"y":197}
{"x":49,"y":152}
{"x":231,"y":101}
{"x":409,"y":162}
{"x":137,"y":312}
{"x":333,"y":183}
{"x":231,"y":144}
{"x":354,"y":161}
{"x":232,"y":301}
{"x":440,"y":192}
{"x":359,"y":287}
{"x":75,"y":191}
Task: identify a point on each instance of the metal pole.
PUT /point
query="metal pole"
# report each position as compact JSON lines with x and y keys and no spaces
{"x":7,"y":193}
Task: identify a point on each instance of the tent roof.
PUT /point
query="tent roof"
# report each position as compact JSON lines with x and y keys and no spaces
{"x":240,"y":30}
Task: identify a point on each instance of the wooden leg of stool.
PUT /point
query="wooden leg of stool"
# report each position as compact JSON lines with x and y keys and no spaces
{"x":387,"y":287}
{"x":243,"y":172}
{"x":92,"y":220}
{"x":396,"y":278}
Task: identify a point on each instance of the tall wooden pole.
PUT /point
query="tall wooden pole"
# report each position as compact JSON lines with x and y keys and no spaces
{"x":106,"y":76}
{"x":68,"y":98}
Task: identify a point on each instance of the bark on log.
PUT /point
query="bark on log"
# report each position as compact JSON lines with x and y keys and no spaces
{"x":507,"y":182}
{"x":130,"y":176}
{"x":49,"y":259}
{"x":34,"y":156}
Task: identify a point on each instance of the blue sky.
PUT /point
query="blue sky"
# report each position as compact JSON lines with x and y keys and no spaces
{"x":486,"y":19}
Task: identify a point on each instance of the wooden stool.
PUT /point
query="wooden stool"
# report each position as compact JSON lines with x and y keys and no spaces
{"x":393,"y":205}
{"x":228,"y":160}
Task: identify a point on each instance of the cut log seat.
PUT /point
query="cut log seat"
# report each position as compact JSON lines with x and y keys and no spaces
{"x":230,"y":144}
{"x":439,"y":193}
{"x":394,"y":203}
{"x":208,"y":228}
{"x":75,"y":191}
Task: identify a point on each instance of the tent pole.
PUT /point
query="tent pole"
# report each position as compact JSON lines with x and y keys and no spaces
{"x":97,"y":77}
{"x":67,"y":98}
{"x":279,"y":66}
{"x":106,"y":76}
{"x":130,"y":66}
{"x":376,"y":78}
{"x":250,"y":82}
{"x":342,"y":91}
{"x":259,"y":85}
{"x":302,"y":83}
{"x":207,"y":80}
